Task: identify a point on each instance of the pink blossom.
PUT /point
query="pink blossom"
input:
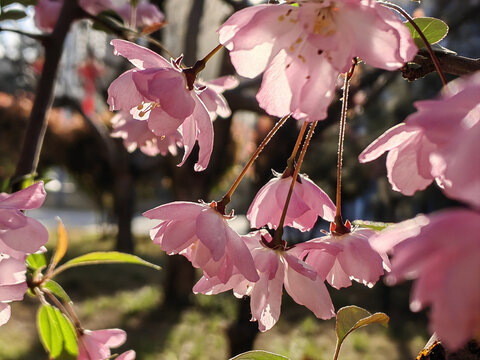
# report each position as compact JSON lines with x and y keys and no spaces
{"x":127,"y":355}
{"x":95,"y":345}
{"x":200,"y":233}
{"x":159,"y":92}
{"x":439,"y":142}
{"x":276,"y":268}
{"x":355,"y":259}
{"x":307,"y":203}
{"x":19,"y":235}
{"x":442,"y":251}
{"x":136,"y":133}
{"x":212,"y":95}
{"x":303,"y":49}
{"x":147,"y":14}
{"x":47,"y":11}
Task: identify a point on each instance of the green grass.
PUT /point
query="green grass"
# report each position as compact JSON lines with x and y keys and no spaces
{"x":131,"y":297}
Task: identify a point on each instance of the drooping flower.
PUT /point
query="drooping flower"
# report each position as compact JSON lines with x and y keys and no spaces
{"x":200,"y":233}
{"x":307,"y":203}
{"x":19,"y":236}
{"x":276,"y":268}
{"x":147,"y":14}
{"x":159,"y":92}
{"x":95,"y":345}
{"x":303,"y":48}
{"x":439,"y":142}
{"x":47,"y":11}
{"x":442,"y":252}
{"x":136,"y":134}
{"x":355,"y":259}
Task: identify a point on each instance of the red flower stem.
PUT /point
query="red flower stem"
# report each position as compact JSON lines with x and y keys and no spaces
{"x":66,"y":309}
{"x":436,"y":63}
{"x":226,"y":198}
{"x":291,"y":159}
{"x":277,"y":240}
{"x":192,"y":72}
{"x":341,"y":137}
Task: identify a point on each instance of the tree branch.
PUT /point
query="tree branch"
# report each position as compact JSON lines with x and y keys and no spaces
{"x":38,"y":37}
{"x":450,"y":63}
{"x":37,"y":124}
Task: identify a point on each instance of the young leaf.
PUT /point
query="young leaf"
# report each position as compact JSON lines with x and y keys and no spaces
{"x":56,"y":332}
{"x":375,"y":225}
{"x":49,"y":330}
{"x":433,"y":29}
{"x":259,"y":355}
{"x":351,"y":318}
{"x":56,"y":290}
{"x":107,"y":257}
{"x":36,"y":261}
{"x":62,"y":243}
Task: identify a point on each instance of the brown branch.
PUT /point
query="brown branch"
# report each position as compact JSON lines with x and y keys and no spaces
{"x":450,"y":63}
{"x":37,"y":123}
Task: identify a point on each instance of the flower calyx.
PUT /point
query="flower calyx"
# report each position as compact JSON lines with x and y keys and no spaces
{"x":339,"y":228}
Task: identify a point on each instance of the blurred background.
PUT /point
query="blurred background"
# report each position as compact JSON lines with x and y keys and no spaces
{"x":100,"y":190}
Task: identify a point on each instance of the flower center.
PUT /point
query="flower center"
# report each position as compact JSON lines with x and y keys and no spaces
{"x":142,"y":111}
{"x":324,"y":23}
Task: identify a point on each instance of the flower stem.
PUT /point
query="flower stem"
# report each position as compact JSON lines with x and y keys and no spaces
{"x":227,"y":197}
{"x":192,"y":72}
{"x":277,"y":240}
{"x":340,"y":227}
{"x":436,"y":63}
{"x":291,"y":160}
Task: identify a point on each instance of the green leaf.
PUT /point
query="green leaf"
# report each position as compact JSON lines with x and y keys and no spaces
{"x":56,"y":290}
{"x":109,"y":22}
{"x":107,"y":257}
{"x":13,"y":14}
{"x":49,"y":330}
{"x":375,"y":225}
{"x":351,"y":318}
{"x":36,"y":261}
{"x":433,"y":29}
{"x":57,"y":334}
{"x":259,"y":355}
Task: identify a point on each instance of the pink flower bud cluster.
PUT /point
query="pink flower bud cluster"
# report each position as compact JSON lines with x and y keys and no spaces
{"x":19,"y":236}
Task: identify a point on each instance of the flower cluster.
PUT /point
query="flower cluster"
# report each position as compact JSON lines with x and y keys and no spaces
{"x":19,"y":236}
{"x":303,"y":47}
{"x":47,"y":12}
{"x":158,"y":93}
{"x":255,"y":264}
{"x":439,"y":142}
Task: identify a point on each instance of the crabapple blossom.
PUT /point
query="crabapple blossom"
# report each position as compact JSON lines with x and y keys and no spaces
{"x":303,"y":49}
{"x":136,"y":133}
{"x":355,"y":259}
{"x":147,"y":14}
{"x":158,"y":91}
{"x":212,"y":96}
{"x":442,"y":252}
{"x":277,"y":268}
{"x":95,"y":345}
{"x":47,"y":11}
{"x":127,"y":355}
{"x":307,"y":203}
{"x":19,"y":235}
{"x":439,"y":142}
{"x":200,"y":233}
